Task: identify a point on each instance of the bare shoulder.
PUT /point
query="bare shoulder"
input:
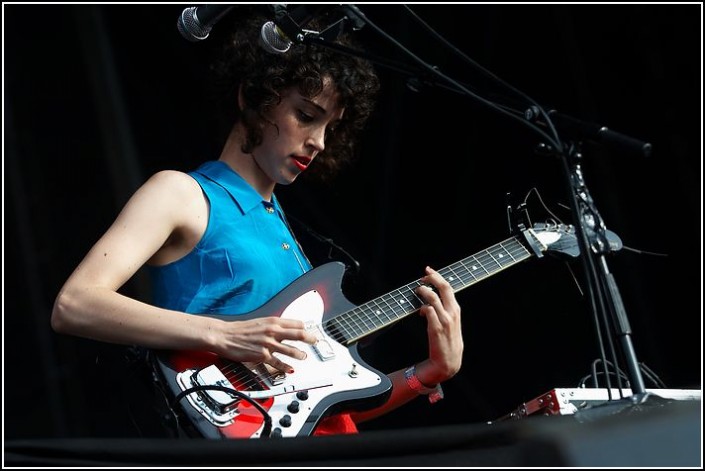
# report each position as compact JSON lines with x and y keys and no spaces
{"x":168,"y":195}
{"x":174,"y":206}
{"x":170,"y":189}
{"x":173,"y":181}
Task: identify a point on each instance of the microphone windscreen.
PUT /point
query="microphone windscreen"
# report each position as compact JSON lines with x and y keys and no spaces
{"x":189,"y":26}
{"x":272,"y":39}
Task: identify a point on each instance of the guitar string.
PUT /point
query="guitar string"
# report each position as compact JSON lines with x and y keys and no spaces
{"x":348,"y":323}
{"x":487,"y":261}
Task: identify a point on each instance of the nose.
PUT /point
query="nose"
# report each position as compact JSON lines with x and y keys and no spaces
{"x":316,"y":139}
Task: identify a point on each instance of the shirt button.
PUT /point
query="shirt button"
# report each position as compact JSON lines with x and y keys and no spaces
{"x":269,"y":209}
{"x":285,"y":246}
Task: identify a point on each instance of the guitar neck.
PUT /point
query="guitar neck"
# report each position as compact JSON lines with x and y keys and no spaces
{"x":389,"y":308}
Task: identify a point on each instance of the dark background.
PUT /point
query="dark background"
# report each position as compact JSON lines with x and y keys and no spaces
{"x":97,"y":98}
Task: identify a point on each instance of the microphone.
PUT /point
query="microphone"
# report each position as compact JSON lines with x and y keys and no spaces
{"x":277,"y":36}
{"x":273,"y":39}
{"x":195,"y":23}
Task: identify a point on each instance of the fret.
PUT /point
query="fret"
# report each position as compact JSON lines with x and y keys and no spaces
{"x":380,"y":311}
{"x":370,"y":318}
{"x":392,"y":305}
{"x":334,"y":327}
{"x":372,"y":322}
{"x":509,"y":252}
{"x":455,"y":281}
{"x":358,"y":321}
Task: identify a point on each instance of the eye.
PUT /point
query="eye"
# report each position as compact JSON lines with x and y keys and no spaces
{"x":304,"y":117}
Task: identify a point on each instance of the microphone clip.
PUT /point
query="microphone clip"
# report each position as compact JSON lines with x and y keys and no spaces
{"x":292,"y":23}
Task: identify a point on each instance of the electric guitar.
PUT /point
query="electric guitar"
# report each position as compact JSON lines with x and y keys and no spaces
{"x":225,"y":399}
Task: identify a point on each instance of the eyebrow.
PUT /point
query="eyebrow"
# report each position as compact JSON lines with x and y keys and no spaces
{"x":320,"y":108}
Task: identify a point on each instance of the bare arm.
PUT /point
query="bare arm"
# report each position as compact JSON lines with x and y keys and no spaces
{"x":88,"y":305}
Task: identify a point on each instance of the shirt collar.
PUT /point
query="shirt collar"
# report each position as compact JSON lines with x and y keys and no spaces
{"x":242,"y":192}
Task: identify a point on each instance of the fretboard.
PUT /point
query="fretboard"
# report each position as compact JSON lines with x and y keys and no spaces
{"x":352,"y":325}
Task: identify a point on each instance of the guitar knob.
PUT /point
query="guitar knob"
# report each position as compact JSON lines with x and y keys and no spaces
{"x":302,"y":395}
{"x":276,"y":433}
{"x":285,"y":421}
{"x":293,"y":407}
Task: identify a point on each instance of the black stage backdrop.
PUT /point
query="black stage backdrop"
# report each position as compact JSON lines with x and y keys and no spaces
{"x":99,"y":97}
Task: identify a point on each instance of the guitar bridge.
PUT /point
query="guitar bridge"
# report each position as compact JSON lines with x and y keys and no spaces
{"x":212,"y":376}
{"x":217,"y":406}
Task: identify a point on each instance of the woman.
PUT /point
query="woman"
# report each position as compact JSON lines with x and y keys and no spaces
{"x":216,"y":240}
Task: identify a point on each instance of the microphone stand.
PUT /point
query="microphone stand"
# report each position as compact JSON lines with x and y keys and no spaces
{"x":610,"y":317}
{"x":605,"y":299}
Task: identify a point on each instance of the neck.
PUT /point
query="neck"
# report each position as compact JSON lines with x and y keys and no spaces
{"x":245,"y":164}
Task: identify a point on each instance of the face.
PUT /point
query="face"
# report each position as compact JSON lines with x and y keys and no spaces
{"x":302,"y":124}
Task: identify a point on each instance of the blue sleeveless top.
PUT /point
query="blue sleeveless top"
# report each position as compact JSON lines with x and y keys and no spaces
{"x":245,"y":257}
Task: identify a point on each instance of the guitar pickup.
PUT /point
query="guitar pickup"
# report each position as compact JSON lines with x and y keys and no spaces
{"x":322,"y":347}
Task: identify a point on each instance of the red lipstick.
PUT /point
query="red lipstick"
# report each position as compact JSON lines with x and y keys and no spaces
{"x":302,"y":161}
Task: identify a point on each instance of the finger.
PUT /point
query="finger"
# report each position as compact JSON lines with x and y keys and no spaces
{"x":438,"y":314}
{"x":291,"y":351}
{"x":440,"y":283}
{"x":427,"y":294}
{"x":295,"y":334}
{"x":276,"y":363}
{"x":435,"y":307}
{"x":288,"y":323}
{"x":444,"y":290}
{"x":429,"y":312}
{"x":291,"y":329}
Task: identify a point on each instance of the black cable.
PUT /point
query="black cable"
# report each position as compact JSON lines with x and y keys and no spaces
{"x":607,"y":364}
{"x":556,"y":143}
{"x":651,"y":375}
{"x":327,"y":240}
{"x":584,"y":379}
{"x":489,"y":74}
{"x":648,"y":372}
{"x":545,"y":207}
{"x":595,"y":289}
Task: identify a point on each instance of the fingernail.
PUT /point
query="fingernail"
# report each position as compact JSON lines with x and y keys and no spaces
{"x":291,"y":371}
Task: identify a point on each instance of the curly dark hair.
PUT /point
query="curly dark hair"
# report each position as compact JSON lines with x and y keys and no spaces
{"x":263,"y":76}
